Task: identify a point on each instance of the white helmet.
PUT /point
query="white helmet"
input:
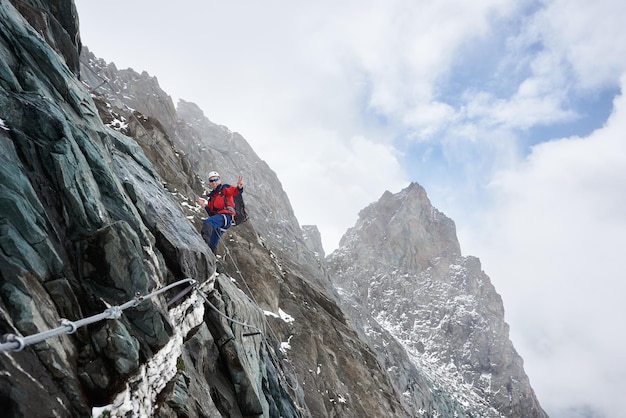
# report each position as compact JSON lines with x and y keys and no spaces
{"x":214,"y":174}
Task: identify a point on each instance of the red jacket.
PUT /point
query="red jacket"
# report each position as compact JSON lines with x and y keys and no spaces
{"x":220,"y":200}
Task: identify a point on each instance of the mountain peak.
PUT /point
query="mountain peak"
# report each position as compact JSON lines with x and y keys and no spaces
{"x":403,"y":228}
{"x":400,"y":273}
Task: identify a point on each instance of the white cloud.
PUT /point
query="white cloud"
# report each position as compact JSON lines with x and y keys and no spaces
{"x":588,"y":36}
{"x":522,"y":111}
{"x":554,"y":246}
{"x":429,"y":119}
{"x":404,"y":47}
{"x":339,"y":177}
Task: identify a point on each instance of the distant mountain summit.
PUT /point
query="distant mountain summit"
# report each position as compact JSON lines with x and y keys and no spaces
{"x":402,"y":230}
{"x":430,"y":311}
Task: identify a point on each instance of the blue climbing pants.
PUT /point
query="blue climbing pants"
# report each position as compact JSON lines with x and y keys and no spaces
{"x":213,"y":228}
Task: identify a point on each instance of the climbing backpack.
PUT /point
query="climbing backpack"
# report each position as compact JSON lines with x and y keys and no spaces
{"x":241,"y":214}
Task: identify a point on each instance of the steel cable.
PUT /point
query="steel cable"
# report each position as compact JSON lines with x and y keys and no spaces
{"x":14,"y":342}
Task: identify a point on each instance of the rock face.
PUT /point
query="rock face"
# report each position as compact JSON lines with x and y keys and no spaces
{"x":85,"y":223}
{"x":99,"y":172}
{"x":400,"y":271}
{"x":206,"y":146}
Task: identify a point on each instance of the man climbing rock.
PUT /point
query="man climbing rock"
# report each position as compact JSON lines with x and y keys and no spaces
{"x":220,"y":205}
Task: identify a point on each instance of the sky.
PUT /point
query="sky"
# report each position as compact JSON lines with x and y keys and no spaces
{"x":509,"y":113}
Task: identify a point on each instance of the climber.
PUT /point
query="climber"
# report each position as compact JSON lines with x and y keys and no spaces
{"x":220,"y":206}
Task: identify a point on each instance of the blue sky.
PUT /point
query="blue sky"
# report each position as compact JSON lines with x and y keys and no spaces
{"x":509,"y":113}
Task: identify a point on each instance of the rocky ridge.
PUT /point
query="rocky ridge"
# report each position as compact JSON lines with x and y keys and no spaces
{"x":401,"y":272}
{"x":205,"y":145}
